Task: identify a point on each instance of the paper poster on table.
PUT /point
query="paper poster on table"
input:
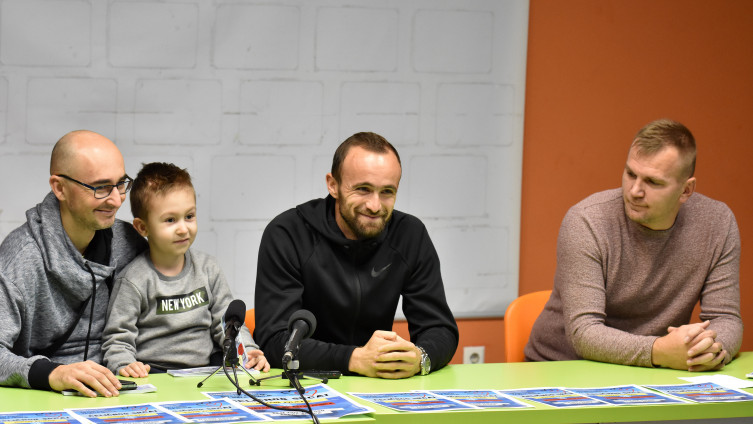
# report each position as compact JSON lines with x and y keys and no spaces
{"x":52,"y":417}
{"x":721,"y":379}
{"x":481,"y":398}
{"x":215,"y":411}
{"x":325,"y":402}
{"x":626,"y":395}
{"x":131,"y":414}
{"x":554,"y":396}
{"x":704,"y":392}
{"x":416,"y":401}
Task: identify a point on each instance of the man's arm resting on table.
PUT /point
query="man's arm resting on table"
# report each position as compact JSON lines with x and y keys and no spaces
{"x":386,"y":355}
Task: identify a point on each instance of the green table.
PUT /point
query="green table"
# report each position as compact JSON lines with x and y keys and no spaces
{"x":481,"y":376}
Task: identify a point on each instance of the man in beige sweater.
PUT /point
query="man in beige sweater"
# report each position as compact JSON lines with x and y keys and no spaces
{"x":633,"y":262}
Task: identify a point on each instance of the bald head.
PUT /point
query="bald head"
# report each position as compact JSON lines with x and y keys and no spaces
{"x":80,"y":162}
{"x":81,"y":148}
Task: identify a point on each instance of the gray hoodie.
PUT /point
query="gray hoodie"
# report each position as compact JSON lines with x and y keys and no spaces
{"x":46,"y":287}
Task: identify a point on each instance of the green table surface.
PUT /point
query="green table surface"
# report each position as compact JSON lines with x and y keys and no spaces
{"x":480,"y":376}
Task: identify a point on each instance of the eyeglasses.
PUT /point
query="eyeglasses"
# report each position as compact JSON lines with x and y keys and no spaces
{"x":103,"y":191}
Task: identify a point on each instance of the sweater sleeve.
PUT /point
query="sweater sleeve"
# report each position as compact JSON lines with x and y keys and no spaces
{"x":720,"y":296}
{"x":121,"y":328}
{"x":580,"y":278}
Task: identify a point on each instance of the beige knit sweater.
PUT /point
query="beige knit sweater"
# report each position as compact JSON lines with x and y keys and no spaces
{"x":619,"y":285}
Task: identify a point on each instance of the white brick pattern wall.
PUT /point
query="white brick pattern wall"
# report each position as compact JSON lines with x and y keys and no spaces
{"x":253,"y":97}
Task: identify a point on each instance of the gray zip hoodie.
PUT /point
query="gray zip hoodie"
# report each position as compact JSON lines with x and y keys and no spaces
{"x":46,"y":289}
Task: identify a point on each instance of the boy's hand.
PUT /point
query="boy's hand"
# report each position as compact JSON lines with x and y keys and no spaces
{"x":135,"y":369}
{"x":257,"y":360}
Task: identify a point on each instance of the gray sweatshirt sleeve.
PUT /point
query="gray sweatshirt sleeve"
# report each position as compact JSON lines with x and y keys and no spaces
{"x":119,"y":336}
{"x":222,"y":298}
{"x":14,"y":369}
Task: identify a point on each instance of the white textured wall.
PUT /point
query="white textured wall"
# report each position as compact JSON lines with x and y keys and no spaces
{"x":254,"y":96}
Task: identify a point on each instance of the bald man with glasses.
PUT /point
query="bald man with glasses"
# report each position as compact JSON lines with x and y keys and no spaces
{"x":57,"y":269}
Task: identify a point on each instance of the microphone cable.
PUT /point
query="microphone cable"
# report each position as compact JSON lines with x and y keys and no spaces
{"x":298,"y":389}
{"x":301,"y":391}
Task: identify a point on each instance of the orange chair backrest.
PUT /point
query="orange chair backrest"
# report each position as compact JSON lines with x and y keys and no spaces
{"x":250,"y":320}
{"x":519,"y":319}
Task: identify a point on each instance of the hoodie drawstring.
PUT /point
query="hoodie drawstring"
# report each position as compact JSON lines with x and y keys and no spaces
{"x":91,"y":312}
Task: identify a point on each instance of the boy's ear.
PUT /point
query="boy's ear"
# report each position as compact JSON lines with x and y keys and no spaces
{"x":140,"y":226}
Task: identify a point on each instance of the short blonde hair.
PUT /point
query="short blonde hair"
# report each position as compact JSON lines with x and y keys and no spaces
{"x":662,"y":133}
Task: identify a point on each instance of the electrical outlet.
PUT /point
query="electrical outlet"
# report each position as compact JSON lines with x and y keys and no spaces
{"x":473,"y":355}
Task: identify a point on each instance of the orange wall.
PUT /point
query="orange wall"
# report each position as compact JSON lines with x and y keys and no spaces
{"x":597,"y":71}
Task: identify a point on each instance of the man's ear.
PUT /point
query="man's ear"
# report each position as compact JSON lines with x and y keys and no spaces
{"x":140,"y":226}
{"x":332,"y":185}
{"x":56,"y":184}
{"x":687,"y":190}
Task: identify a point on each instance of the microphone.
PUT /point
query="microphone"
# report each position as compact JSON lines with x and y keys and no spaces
{"x":232,"y":321}
{"x":301,"y":326}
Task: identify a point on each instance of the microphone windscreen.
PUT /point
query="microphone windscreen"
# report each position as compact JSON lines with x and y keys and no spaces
{"x":305,"y":316}
{"x":236,"y":310}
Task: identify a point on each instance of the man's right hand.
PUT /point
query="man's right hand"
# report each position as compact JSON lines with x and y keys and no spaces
{"x":386,"y":355}
{"x":78,"y":375}
{"x":363,"y":360}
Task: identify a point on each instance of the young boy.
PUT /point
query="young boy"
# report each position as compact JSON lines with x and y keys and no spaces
{"x":167,"y":306}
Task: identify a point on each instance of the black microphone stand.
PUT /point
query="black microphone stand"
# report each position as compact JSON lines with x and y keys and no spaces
{"x":291,"y":371}
{"x":298,"y":388}
{"x":230,"y":361}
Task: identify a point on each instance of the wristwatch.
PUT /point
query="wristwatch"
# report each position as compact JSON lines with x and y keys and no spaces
{"x":425,"y":361}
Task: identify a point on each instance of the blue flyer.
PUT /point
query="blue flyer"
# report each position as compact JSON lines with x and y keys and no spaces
{"x":626,"y":395}
{"x":554,"y":396}
{"x":481,"y":398}
{"x":217,"y":411}
{"x":53,"y":417}
{"x":704,"y":392}
{"x":417,"y":401}
{"x":325,"y":402}
{"x":132,"y":414}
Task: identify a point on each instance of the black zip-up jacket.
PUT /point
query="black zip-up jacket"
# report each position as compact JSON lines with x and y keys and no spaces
{"x":351,"y":286}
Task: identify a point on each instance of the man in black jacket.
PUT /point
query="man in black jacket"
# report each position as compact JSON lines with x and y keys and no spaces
{"x":348,"y":258}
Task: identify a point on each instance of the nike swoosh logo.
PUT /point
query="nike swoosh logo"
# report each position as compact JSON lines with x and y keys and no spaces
{"x":375,"y":273}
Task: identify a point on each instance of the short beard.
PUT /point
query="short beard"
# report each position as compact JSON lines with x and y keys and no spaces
{"x":360,"y":231}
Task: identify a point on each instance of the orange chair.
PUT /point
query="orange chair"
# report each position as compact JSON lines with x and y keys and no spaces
{"x":251,"y":320}
{"x":519,"y":319}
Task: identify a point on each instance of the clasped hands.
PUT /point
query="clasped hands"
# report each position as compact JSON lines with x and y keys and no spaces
{"x":386,"y":355}
{"x":691,"y":347}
